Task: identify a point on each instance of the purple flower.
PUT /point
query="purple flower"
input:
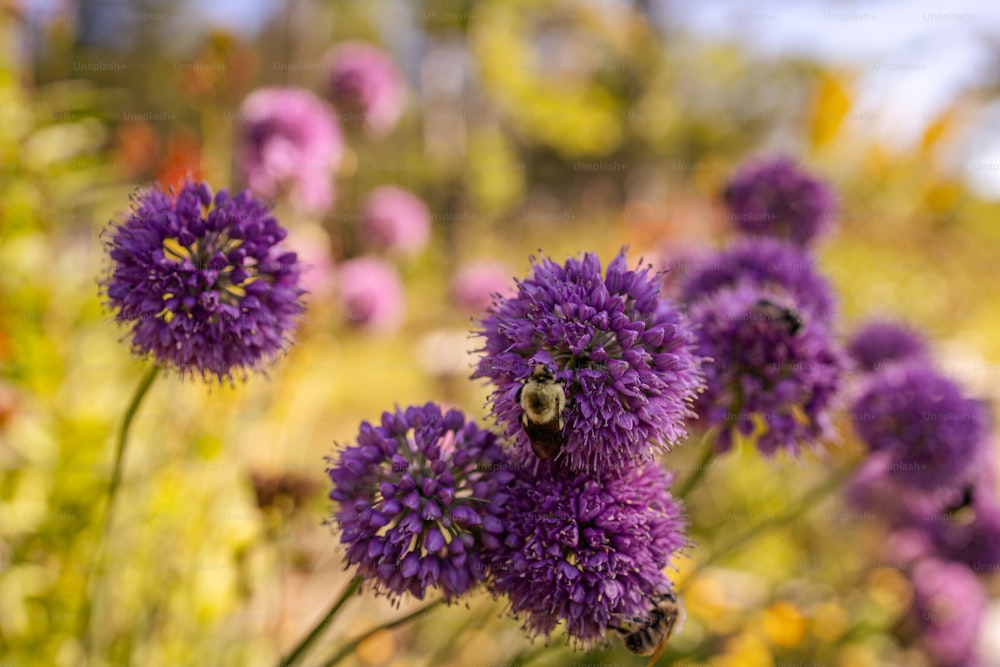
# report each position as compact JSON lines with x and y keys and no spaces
{"x":395,"y":220}
{"x":769,"y":369}
{"x":474,"y":286}
{"x":766,"y":263}
{"x":622,"y":352}
{"x":882,"y":342}
{"x":418,"y":499}
{"x":371,"y":294}
{"x":776,"y":198}
{"x":968,"y":533}
{"x":204,"y":283}
{"x":363,"y":79}
{"x":948,"y":604}
{"x":931,"y":433}
{"x":289,"y":141}
{"x":586,"y":549}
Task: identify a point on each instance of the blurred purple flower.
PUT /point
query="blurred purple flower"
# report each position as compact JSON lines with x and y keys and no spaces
{"x":882,"y":342}
{"x":624,"y":354}
{"x":949,"y":603}
{"x":371,"y":294}
{"x":931,"y":432}
{"x":418,"y":499}
{"x":395,"y":220}
{"x":361,"y":78}
{"x":968,"y":533}
{"x":586,"y":549}
{"x":776,"y":198}
{"x":289,"y":141}
{"x":312,"y":245}
{"x":204,"y":283}
{"x":474,"y":286}
{"x":767,"y":368}
{"x":766,"y":263}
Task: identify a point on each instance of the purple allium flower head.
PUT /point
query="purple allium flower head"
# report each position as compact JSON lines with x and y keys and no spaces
{"x":776,"y":198}
{"x":968,"y":533}
{"x":769,"y":264}
{"x":948,"y":604}
{"x":363,"y":79}
{"x":396,"y":220}
{"x":624,"y":355}
{"x":418,"y":500}
{"x":371,"y":294}
{"x":289,"y":141}
{"x":931,"y":432}
{"x":584,"y":548}
{"x":768,"y":368}
{"x":883,"y":342}
{"x":474,"y":286}
{"x":203,"y":282}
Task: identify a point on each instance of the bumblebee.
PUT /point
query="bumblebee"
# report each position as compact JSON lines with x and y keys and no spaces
{"x":779,"y":313}
{"x":543,"y":400}
{"x":653,"y":631}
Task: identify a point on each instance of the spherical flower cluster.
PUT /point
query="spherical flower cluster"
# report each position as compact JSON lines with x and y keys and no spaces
{"x":363,"y":79}
{"x":586,"y":549}
{"x":289,"y":141}
{"x":880,"y":342}
{"x":474,"y":286}
{"x":203,"y":282}
{"x":968,"y":534}
{"x":931,"y":432}
{"x":622,"y":352}
{"x":766,"y":263}
{"x":395,"y":220}
{"x":418,"y":500}
{"x":948,"y":605}
{"x":371,"y":294}
{"x":769,"y":369}
{"x":776,"y":198}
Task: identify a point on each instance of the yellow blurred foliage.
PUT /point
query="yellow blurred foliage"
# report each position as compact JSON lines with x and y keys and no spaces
{"x":783,"y":625}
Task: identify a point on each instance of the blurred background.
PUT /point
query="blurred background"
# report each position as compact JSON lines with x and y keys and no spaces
{"x":560,"y":126}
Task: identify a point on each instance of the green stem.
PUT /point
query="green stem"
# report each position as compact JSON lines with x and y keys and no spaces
{"x":304,"y":645}
{"x":701,"y":469}
{"x":86,"y":607}
{"x":810,"y":499}
{"x":353,"y":644}
{"x":116,"y":472}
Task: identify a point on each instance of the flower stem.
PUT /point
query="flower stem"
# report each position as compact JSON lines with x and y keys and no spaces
{"x":811,"y":498}
{"x":304,"y":645}
{"x":701,"y":469}
{"x":116,"y":472}
{"x":353,"y":644}
{"x":86,"y":607}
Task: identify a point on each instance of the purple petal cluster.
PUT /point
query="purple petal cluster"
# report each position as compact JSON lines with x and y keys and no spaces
{"x":624,"y":354}
{"x":395,"y":220}
{"x":931,"y":432}
{"x":419,"y":497}
{"x":769,"y":264}
{"x":289,"y":142}
{"x":363,"y":79}
{"x":768,"y":375}
{"x":882,"y":342}
{"x":948,"y":604}
{"x":776,"y":198}
{"x":203,"y":282}
{"x":371,"y":294}
{"x":586,"y":549}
